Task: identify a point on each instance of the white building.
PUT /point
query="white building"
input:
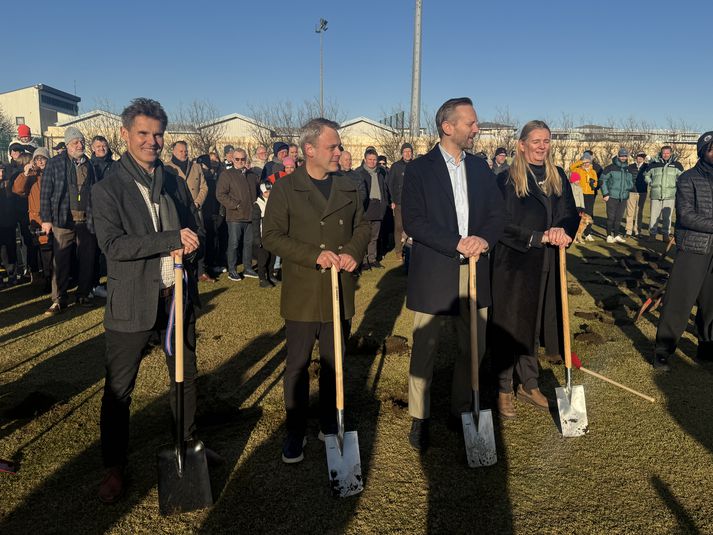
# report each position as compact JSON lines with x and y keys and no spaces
{"x":39,"y":107}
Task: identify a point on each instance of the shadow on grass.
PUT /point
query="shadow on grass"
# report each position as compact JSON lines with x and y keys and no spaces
{"x":685,"y":522}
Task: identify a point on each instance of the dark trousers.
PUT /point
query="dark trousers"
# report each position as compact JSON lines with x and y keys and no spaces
{"x":300,"y":340}
{"x":265,"y":263}
{"x":398,"y":231}
{"x":615,"y":212}
{"x":640,"y":215}
{"x":8,"y":249}
{"x":64,"y":241}
{"x":240,"y":232}
{"x":28,"y":246}
{"x":690,"y":283}
{"x":212,"y":242}
{"x":589,"y":209}
{"x":371,"y":250}
{"x":124,"y":352}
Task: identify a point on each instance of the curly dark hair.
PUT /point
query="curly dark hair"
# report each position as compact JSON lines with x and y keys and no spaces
{"x":143,"y":106}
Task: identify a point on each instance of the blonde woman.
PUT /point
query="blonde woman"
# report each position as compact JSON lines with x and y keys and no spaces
{"x":541,"y":216}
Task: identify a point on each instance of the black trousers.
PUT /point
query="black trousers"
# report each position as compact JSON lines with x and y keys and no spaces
{"x":265,"y":263}
{"x":615,"y":212}
{"x":64,"y":242}
{"x":300,"y":341}
{"x":8,"y":249}
{"x":29,"y":247}
{"x":371,"y":250}
{"x":589,"y":209}
{"x":124,"y":352}
{"x":690,"y":283}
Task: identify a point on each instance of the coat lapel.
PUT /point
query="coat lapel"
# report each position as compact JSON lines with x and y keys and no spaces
{"x":312,"y":196}
{"x":338,"y":197}
{"x":137,"y":200}
{"x":440,"y":171}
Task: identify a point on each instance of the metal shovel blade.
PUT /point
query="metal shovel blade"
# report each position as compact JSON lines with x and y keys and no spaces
{"x":479,"y":439}
{"x":572,"y":411}
{"x":186,"y":491}
{"x":344,"y":464}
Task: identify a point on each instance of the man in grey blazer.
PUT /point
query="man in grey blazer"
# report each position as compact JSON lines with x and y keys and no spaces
{"x":145,"y":216}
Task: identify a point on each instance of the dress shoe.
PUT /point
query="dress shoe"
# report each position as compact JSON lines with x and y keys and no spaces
{"x":213,"y":458}
{"x":111,"y":488}
{"x":365,"y":266}
{"x":506,"y":407}
{"x":206,"y":278}
{"x":418,"y":436}
{"x":554,"y":358}
{"x":378,"y":265}
{"x":534,"y":397}
{"x":660,"y":363}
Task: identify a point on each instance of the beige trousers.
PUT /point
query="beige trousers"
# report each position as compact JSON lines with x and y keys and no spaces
{"x":426,"y":331}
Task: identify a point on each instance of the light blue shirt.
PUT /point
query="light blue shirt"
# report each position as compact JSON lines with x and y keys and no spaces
{"x":456,"y":171}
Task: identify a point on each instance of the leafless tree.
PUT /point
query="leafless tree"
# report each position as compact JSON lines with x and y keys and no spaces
{"x":636,"y":135}
{"x":197,"y":121}
{"x":106,"y":123}
{"x":676,"y":136}
{"x":390,"y":139}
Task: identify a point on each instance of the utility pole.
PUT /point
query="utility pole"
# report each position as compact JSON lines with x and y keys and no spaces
{"x":415,"y":119}
{"x":320,"y":29}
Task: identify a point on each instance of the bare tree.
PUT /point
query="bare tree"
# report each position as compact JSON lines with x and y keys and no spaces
{"x":106,"y":123}
{"x":197,"y":121}
{"x":390,"y":139}
{"x":564,"y":142}
{"x":636,"y":135}
{"x":677,"y":134}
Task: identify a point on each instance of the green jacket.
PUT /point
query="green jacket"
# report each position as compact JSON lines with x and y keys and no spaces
{"x":662,"y":177}
{"x":299,"y":224}
{"x":616,"y":180}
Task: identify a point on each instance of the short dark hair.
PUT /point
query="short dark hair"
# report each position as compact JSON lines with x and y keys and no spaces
{"x":669,"y":147}
{"x":371,"y":151}
{"x":179,"y":142}
{"x":143,"y":106}
{"x":99,"y":138}
{"x":445,"y":112}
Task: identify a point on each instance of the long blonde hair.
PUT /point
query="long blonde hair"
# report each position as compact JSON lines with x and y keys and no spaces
{"x":519,"y":169}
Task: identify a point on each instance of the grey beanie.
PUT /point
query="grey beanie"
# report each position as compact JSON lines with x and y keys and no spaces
{"x":42,"y":151}
{"x":72,"y":132}
{"x":623,"y":152}
{"x":587,"y":156}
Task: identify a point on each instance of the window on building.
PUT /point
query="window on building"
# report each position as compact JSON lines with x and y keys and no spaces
{"x":19,"y":120}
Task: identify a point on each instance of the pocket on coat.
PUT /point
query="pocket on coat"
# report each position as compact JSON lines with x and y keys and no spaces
{"x":120,"y":298}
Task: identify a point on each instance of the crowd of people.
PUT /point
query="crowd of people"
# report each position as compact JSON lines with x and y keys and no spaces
{"x":289,"y":219}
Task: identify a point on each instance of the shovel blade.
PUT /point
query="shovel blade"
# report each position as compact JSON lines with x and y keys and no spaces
{"x":572,"y":411}
{"x":188,"y":491}
{"x":344,"y":464}
{"x":479,"y":439}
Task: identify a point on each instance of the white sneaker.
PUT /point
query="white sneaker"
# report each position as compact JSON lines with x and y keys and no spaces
{"x":620,"y":239}
{"x":99,"y":291}
{"x":589,"y":237}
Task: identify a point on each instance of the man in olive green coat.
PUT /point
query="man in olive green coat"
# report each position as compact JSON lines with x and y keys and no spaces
{"x":314,"y":220}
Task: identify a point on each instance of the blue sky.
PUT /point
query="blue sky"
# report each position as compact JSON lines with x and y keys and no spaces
{"x":593,"y":61}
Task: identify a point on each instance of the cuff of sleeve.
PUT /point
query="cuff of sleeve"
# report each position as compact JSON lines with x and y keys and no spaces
{"x":536,"y":239}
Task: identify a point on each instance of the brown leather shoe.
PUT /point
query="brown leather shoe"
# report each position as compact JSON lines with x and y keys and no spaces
{"x":111,"y":488}
{"x":534,"y":397}
{"x":206,"y":278}
{"x":506,"y":407}
{"x":554,"y":358}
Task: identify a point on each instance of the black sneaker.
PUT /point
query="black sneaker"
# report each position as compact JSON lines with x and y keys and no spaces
{"x":85,"y":301}
{"x":292,"y":451}
{"x":250,"y":273}
{"x":661,"y":363}
{"x":266,"y":283}
{"x":277,"y":275}
{"x":235,"y":276}
{"x":418,"y":436}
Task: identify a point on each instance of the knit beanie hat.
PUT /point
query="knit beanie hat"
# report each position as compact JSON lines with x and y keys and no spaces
{"x":406,"y":146}
{"x":280,"y":145}
{"x":23,"y":131}
{"x":42,"y":151}
{"x":288,"y":161}
{"x":72,"y":132}
{"x":704,"y":143}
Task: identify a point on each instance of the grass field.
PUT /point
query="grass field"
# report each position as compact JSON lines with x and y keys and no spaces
{"x":643,"y":468}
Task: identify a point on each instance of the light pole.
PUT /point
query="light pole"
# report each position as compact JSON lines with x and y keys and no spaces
{"x":320,"y":29}
{"x":415,"y":118}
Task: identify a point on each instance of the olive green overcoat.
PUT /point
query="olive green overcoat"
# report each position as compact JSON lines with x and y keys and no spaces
{"x":299,"y":224}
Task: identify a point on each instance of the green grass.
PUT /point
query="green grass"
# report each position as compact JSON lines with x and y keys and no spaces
{"x":643,"y":468}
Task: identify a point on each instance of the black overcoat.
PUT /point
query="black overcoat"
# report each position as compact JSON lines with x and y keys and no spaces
{"x":429,"y":217}
{"x":521,"y":265}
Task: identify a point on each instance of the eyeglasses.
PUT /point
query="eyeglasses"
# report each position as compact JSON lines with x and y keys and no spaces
{"x":240,"y":159}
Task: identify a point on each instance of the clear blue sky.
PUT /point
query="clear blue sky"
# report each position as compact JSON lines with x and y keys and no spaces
{"x":594,"y":61}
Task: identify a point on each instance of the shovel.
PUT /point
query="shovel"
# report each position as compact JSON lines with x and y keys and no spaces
{"x":478,"y":430}
{"x":570,"y":399}
{"x":183,"y":480}
{"x":343,"y":460}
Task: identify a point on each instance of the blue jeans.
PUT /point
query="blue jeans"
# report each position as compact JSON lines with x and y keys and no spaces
{"x":237,"y":231}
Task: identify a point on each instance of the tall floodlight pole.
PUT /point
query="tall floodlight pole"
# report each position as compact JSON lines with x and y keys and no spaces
{"x":416,"y":74}
{"x":320,"y":29}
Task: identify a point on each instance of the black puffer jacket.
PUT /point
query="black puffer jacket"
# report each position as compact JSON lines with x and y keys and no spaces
{"x":694,"y":209}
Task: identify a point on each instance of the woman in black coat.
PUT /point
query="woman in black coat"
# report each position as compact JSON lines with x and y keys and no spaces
{"x":541,"y":216}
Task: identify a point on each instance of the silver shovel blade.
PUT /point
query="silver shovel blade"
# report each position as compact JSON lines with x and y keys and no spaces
{"x":479,"y":439}
{"x":344,"y":464}
{"x":572,"y":410}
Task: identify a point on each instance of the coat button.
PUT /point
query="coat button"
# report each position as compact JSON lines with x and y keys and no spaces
{"x":341,"y":221}
{"x":322,"y":246}
{"x":321,"y":223}
{"x":339,"y":248}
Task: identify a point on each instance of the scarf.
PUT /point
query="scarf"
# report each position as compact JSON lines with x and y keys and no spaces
{"x":167,"y":212}
{"x":705,"y":169}
{"x":374,"y":190}
{"x":182,"y":165}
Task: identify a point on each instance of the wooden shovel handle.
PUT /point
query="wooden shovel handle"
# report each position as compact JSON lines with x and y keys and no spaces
{"x":565,"y":308}
{"x":337,"y":321}
{"x":178,"y":302}
{"x":473,"y":304}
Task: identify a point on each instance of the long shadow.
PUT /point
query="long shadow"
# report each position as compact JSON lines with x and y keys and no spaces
{"x":70,"y":493}
{"x":685,"y":522}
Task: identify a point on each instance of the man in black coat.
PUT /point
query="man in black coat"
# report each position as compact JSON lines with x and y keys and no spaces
{"x":395,"y":181}
{"x":453,"y":210}
{"x":691,"y":279}
{"x":373,"y":179}
{"x":145,"y":219}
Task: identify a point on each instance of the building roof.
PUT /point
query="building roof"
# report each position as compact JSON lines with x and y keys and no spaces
{"x":489,"y":125}
{"x":363,"y":119}
{"x":232,"y":116}
{"x":90,"y":115}
{"x":48,"y":89}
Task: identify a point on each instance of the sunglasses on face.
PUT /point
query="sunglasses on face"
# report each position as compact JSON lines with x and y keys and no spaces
{"x":239,"y":159}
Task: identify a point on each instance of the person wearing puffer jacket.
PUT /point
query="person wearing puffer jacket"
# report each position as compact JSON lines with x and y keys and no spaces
{"x":616,"y":182}
{"x":661,"y":176}
{"x":691,"y":279}
{"x":589,"y":183}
